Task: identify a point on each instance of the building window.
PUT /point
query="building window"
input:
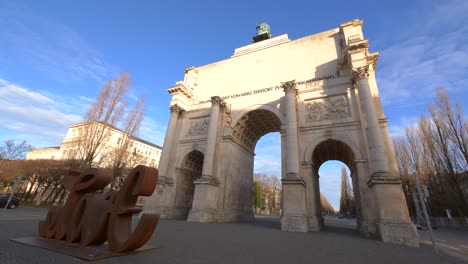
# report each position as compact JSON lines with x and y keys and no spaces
{"x":118,"y":140}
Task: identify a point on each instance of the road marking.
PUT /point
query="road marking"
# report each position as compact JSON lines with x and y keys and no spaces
{"x":463,"y":246}
{"x":454,"y":248}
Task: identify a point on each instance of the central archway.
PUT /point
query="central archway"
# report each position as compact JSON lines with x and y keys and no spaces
{"x":255,"y":124}
{"x":248,"y":128}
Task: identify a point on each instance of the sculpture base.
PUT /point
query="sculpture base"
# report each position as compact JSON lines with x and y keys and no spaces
{"x":89,"y":253}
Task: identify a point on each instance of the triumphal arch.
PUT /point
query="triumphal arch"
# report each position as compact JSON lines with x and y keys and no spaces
{"x":319,"y":92}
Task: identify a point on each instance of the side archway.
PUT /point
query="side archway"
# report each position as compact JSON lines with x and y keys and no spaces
{"x":342,"y":149}
{"x":189,"y":170}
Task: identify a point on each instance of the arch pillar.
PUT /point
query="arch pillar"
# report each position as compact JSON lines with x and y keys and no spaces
{"x":313,"y":203}
{"x":366,"y":213}
{"x":393,"y":222}
{"x":294,"y":212}
{"x":160,"y":201}
{"x":206,"y":187}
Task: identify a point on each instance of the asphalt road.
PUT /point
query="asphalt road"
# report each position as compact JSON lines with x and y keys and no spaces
{"x":258,"y":242}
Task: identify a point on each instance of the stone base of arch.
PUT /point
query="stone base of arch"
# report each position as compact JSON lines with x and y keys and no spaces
{"x":398,"y":233}
{"x":204,"y":200}
{"x":315,"y":224}
{"x":294,"y":217}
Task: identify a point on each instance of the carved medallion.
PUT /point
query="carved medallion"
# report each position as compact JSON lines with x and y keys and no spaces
{"x":327,"y":108}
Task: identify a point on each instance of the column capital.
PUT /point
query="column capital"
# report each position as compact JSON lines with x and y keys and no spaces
{"x":360,"y":72}
{"x":175,"y":108}
{"x":289,"y":86}
{"x":216,"y":100}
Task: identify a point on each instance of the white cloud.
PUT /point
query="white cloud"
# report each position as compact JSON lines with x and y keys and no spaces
{"x":435,"y":55}
{"x":39,"y":119}
{"x":48,"y":47}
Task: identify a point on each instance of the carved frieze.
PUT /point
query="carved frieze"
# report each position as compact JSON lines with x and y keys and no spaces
{"x":327,"y":108}
{"x":198,"y":127}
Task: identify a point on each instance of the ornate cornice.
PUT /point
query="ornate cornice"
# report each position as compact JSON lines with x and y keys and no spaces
{"x":289,"y":86}
{"x":361,"y":72}
{"x":181,"y":88}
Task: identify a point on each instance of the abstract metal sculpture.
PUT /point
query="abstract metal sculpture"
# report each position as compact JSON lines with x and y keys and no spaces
{"x":91,"y":218}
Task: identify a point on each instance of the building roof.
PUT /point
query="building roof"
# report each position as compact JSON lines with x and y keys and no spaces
{"x":115,"y":128}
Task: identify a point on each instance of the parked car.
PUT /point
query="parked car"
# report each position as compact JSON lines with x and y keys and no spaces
{"x":14,"y":202}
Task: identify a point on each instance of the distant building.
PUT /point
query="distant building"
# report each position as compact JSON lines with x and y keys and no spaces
{"x":148,"y":153}
{"x":43,"y":153}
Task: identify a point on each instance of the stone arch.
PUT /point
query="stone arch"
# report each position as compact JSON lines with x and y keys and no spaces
{"x":183,"y":155}
{"x":253,"y":122}
{"x":344,"y":149}
{"x":270,"y":108}
{"x":189,"y":170}
{"x":309,"y":151}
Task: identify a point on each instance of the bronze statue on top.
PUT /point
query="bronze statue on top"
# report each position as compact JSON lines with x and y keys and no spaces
{"x":263,"y":32}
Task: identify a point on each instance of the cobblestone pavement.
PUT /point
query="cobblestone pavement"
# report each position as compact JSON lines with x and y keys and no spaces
{"x":259,"y":242}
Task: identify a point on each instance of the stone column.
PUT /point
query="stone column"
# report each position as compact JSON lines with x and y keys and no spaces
{"x":393,"y":223}
{"x":208,"y":160}
{"x":292,"y":159}
{"x":293,"y":217}
{"x":206,"y":187}
{"x":160,"y":200}
{"x":379,"y":161}
{"x":168,"y":140}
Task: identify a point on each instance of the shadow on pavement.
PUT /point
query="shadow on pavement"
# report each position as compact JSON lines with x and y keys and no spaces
{"x":271,"y":222}
{"x":330,"y":226}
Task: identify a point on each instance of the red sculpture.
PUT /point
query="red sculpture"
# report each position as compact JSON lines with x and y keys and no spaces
{"x":92,"y":218}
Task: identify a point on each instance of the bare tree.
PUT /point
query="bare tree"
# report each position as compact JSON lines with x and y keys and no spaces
{"x":104,"y":115}
{"x":268,"y":189}
{"x":400,"y":150}
{"x":452,"y":120}
{"x":11,"y":151}
{"x":327,"y":208}
{"x":123,"y":157}
{"x":346,"y":200}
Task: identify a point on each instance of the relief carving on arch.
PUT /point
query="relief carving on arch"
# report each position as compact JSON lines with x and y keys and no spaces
{"x":328,"y":108}
{"x":198,"y":127}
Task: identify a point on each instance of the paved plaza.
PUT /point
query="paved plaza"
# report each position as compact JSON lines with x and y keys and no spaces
{"x":259,"y":242}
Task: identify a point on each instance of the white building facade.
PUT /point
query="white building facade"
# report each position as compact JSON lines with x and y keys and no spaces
{"x":149,"y":154}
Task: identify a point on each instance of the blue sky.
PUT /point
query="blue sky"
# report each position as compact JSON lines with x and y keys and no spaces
{"x":55,"y":56}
